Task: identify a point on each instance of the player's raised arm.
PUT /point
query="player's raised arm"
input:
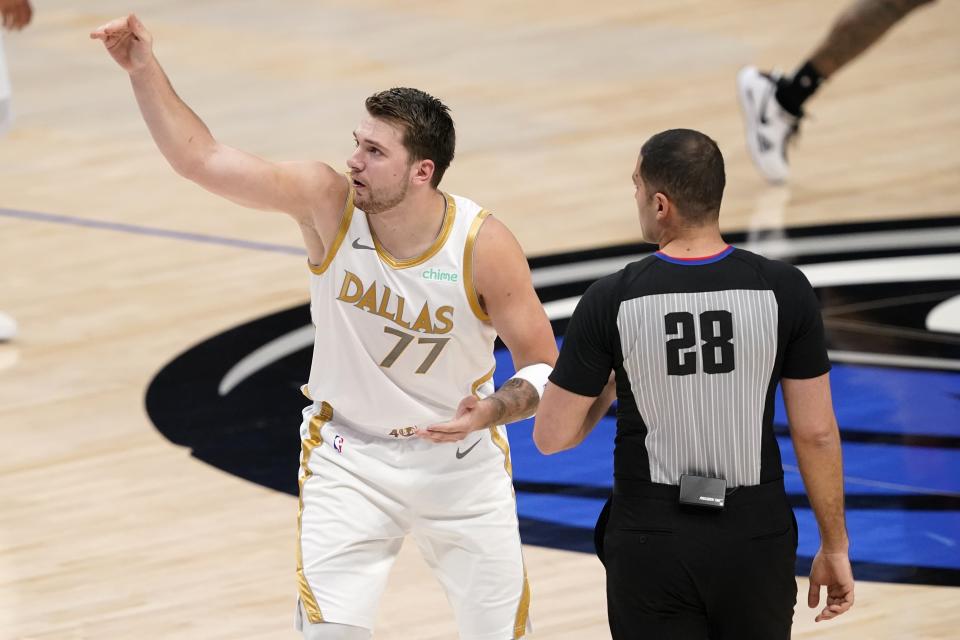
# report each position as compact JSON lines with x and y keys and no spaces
{"x":503,"y":283}
{"x":302,"y":189}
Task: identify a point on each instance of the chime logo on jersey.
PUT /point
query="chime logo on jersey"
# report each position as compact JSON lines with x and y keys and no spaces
{"x":383,"y":302}
{"x":438,"y":275}
{"x":890,"y":301}
{"x":338,"y":443}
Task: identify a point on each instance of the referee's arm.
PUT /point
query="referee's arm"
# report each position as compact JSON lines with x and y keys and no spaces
{"x":565,"y":418}
{"x":816,"y":440}
{"x":582,"y":386}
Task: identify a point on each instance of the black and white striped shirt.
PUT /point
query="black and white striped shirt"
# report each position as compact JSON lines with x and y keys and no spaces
{"x":698,"y":347}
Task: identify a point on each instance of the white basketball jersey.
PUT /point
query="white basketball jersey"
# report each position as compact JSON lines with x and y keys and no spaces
{"x":399,"y":342}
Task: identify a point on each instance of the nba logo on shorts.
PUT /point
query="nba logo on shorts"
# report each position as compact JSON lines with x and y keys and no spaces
{"x":338,"y":443}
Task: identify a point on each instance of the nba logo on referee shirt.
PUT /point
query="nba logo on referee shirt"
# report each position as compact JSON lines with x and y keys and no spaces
{"x":338,"y":443}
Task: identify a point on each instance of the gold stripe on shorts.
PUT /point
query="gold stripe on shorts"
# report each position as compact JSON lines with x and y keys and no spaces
{"x":523,"y":609}
{"x":310,"y":605}
{"x":503,"y":446}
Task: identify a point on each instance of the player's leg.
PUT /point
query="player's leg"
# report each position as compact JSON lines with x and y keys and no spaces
{"x":350,"y":530}
{"x":859,"y":26}
{"x":468,"y":532}
{"x":479,"y":564}
{"x":329,"y":630}
{"x":772,"y":105}
{"x":854,"y":31}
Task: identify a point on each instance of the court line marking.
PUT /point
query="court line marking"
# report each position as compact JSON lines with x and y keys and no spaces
{"x":878,"y":484}
{"x":785,"y":246}
{"x":930,"y":267}
{"x":264,"y":356}
{"x":154,"y":232}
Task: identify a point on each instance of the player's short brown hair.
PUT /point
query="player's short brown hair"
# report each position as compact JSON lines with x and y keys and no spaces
{"x":428,"y":127}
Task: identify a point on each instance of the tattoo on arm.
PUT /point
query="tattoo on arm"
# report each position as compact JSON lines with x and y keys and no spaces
{"x":515,"y":400}
{"x":858,"y":27}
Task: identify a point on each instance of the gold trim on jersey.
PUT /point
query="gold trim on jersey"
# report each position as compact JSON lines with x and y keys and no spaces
{"x":310,"y":605}
{"x":449,"y":215}
{"x":481,"y":381}
{"x":341,"y":234}
{"x":468,"y":284}
{"x":523,"y":609}
{"x":305,"y":390}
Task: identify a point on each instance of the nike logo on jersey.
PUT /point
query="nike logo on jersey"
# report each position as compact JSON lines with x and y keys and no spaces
{"x":461,"y":454}
{"x":356,"y":245}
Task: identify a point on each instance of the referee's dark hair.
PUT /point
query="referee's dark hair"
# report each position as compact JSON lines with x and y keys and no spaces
{"x":687,"y":167}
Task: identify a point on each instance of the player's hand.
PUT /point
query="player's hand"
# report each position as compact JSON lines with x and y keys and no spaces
{"x":473,"y":414}
{"x":16,"y":13}
{"x":128,"y":41}
{"x":831,"y":570}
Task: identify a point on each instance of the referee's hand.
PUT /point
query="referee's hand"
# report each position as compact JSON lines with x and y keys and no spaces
{"x":831,"y":570}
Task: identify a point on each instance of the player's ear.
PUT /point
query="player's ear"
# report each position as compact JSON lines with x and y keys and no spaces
{"x":423,"y":171}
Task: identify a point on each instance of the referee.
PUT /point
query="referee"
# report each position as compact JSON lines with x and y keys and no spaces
{"x":700,"y":540}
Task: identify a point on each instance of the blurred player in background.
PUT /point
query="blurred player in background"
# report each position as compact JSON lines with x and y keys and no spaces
{"x":772,"y":104}
{"x":16,"y":15}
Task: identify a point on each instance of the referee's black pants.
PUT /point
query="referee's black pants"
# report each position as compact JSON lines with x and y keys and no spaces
{"x":682,"y":572}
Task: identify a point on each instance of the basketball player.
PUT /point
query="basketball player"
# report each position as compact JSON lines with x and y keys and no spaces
{"x":16,"y":15}
{"x":700,"y":540}
{"x":772,"y":105}
{"x":409,"y":288}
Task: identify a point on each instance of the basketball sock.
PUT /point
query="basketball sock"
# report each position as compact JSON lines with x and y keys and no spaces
{"x":792,"y":93}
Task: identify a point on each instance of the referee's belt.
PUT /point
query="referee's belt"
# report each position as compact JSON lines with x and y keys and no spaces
{"x":735,"y":495}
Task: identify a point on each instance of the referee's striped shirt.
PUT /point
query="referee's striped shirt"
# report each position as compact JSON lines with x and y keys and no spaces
{"x":698,"y":347}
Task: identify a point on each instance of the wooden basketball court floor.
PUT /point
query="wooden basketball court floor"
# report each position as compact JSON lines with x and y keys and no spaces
{"x":107,"y":530}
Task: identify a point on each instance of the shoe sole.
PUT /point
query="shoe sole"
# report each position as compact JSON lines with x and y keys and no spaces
{"x":749,"y":118}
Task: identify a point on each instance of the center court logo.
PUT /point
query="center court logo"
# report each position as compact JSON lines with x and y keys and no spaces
{"x":234,"y":399}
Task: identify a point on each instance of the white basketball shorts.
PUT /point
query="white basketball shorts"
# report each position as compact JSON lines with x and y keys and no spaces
{"x":360,"y":495}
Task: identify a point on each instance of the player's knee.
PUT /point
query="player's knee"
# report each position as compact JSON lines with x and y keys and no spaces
{"x":333,"y":631}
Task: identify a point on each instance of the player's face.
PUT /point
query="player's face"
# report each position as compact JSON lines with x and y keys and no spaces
{"x":380,"y":166}
{"x":645,"y":206}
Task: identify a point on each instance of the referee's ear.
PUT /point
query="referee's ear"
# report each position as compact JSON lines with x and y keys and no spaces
{"x":662,"y":206}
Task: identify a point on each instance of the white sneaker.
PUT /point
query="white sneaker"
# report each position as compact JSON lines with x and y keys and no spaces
{"x":8,"y":327}
{"x":769,"y":127}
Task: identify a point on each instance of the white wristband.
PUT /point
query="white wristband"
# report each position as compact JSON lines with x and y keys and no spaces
{"x":535,"y":374}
